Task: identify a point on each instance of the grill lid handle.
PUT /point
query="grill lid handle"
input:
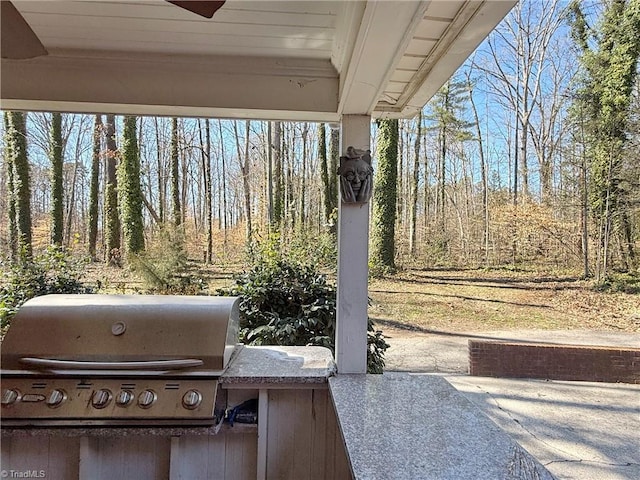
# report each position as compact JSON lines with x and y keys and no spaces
{"x":48,"y":363}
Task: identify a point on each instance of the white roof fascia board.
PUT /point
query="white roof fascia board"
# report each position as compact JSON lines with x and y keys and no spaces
{"x":375,"y":56}
{"x":470,"y":27}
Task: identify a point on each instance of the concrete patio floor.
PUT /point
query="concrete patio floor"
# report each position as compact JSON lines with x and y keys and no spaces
{"x":578,"y":430}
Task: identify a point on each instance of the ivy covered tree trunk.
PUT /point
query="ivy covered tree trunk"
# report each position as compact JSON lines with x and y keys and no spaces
{"x":94,"y":186}
{"x":112,"y":219}
{"x":21,"y":182}
{"x":324,"y":171}
{"x":384,"y":198}
{"x":334,"y":160}
{"x":175,"y":173}
{"x":129,"y":189}
{"x":334,"y":155}
{"x":278,"y":194}
{"x":8,"y":155}
{"x":57,"y":164}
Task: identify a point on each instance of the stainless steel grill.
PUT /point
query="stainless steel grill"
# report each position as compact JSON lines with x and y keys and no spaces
{"x":117,"y":359}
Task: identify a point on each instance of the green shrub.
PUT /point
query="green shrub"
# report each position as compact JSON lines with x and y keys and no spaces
{"x":164,"y":267}
{"x":378,"y":270}
{"x":301,"y":246}
{"x":376,"y":346}
{"x":158,"y":279}
{"x":54,"y":271}
{"x":621,"y":283}
{"x":283,"y":302}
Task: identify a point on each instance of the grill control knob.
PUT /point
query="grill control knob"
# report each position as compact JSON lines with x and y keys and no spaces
{"x":147,"y":398}
{"x":56,"y":398}
{"x":124,"y":398}
{"x":10,"y":396}
{"x":192,"y":399}
{"x":101,"y":398}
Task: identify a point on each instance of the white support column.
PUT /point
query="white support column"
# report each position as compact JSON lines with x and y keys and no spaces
{"x":353,"y":257}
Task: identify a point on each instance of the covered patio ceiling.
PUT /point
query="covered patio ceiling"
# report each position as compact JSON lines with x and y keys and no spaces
{"x":280,"y":60}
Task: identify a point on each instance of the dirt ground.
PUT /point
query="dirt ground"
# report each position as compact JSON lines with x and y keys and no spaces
{"x":462,"y":300}
{"x":477,"y":300}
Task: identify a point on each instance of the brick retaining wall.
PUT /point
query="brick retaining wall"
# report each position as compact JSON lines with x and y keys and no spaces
{"x":554,"y":362}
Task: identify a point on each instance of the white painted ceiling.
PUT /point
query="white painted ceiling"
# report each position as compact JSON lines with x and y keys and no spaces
{"x":311,"y":60}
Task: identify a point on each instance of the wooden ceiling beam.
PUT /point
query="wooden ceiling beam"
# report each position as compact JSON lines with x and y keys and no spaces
{"x":169,"y":85}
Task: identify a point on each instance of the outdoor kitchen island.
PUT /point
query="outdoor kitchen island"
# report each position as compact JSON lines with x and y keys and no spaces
{"x":157,"y":387}
{"x":394,"y":426}
{"x":296,"y":436}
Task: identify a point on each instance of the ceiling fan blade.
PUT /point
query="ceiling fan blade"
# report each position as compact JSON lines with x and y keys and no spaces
{"x":18,"y":39}
{"x":203,"y":8}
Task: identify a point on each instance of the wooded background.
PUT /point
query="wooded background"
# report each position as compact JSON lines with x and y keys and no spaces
{"x":529,"y":155}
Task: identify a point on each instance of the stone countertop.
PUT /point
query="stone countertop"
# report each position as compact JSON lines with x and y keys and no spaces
{"x":255,"y":367}
{"x":400,"y":426}
{"x":267,"y":365}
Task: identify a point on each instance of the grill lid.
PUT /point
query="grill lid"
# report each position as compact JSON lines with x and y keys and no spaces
{"x":127,"y":333}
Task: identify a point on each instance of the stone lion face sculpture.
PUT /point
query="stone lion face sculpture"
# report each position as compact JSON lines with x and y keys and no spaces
{"x":356,"y":176}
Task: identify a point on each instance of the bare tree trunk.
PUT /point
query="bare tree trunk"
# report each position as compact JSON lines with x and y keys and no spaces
{"x":303,"y":174}
{"x":270,"y":149}
{"x":244,"y":169}
{"x":627,"y":249}
{"x":223,"y":188}
{"x":516,"y":163}
{"x":605,"y":229}
{"x":175,"y":173}
{"x":161,"y":173}
{"x":524,"y":130}
{"x":278,"y":201}
{"x":209,"y":193}
{"x":184,"y":180}
{"x":206,"y":171}
{"x":483,"y":174}
{"x":288,"y":154}
{"x":151,"y":210}
{"x":72,"y":191}
{"x":442,"y":181}
{"x":112,"y":218}
{"x":414,"y":185}
{"x":426,"y":186}
{"x":584,"y":200}
{"x":403,"y":144}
